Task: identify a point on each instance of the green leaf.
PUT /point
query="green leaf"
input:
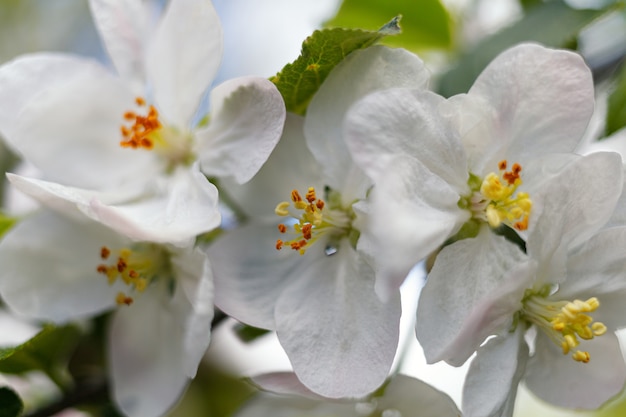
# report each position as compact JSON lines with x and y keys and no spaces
{"x":249,"y":334}
{"x":48,"y":351}
{"x":321,"y":52}
{"x":551,"y":24}
{"x":426,"y":24}
{"x":616,"y":112}
{"x":10,"y":403}
{"x":6,"y":223}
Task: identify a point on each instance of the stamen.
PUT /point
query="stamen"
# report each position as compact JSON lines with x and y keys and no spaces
{"x":565,"y":322}
{"x":503,"y":205}
{"x":313,"y":220}
{"x":140,"y":133}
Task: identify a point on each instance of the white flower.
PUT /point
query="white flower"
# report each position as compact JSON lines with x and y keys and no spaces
{"x":565,"y":296}
{"x":56,"y":269}
{"x":122,"y":146}
{"x":401,"y":396}
{"x":476,"y":158}
{"x":319,"y":298}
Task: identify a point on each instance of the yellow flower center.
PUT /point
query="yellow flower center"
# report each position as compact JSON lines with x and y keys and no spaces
{"x":496,"y":199}
{"x":142,"y":129}
{"x":565,"y":322}
{"x":314,"y":219}
{"x":136,"y":268}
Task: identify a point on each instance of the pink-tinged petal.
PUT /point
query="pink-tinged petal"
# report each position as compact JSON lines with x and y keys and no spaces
{"x":24,"y":78}
{"x":71,"y":133}
{"x":570,"y":208}
{"x":177,"y":208}
{"x":250,"y":273}
{"x":290,"y":166}
{"x":542,"y":100}
{"x":123,"y":26}
{"x":284,"y":383}
{"x":361,"y":73}
{"x":494,"y":376}
{"x":146,"y":352}
{"x":183,"y":57}
{"x":413,"y":212}
{"x":49,"y":268}
{"x":330,"y":322}
{"x":472,"y":292}
{"x":194,"y":280}
{"x":406,"y":122}
{"x":247,"y":119}
{"x":560,"y":380}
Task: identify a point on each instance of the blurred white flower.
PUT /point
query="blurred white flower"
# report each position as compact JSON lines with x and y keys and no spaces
{"x":122,"y":147}
{"x":56,"y":269}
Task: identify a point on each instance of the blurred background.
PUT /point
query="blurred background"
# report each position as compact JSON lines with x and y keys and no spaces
{"x":456,"y":39}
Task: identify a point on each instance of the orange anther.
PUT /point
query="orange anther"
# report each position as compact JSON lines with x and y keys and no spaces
{"x":140,"y":101}
{"x":282,"y":228}
{"x":306,"y":231}
{"x":295,"y":196}
{"x":502,"y":165}
{"x":310,"y":195}
{"x":102,"y":269}
{"x":104,"y":252}
{"x":320,"y":204}
{"x":279,"y":244}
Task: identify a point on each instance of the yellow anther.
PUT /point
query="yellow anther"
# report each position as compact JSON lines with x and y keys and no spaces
{"x":581,"y":356}
{"x":122,"y":298}
{"x":502,"y":204}
{"x":282,"y":209}
{"x":565,"y":322}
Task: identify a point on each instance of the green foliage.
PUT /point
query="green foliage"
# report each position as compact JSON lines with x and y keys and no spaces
{"x":426,"y":24}
{"x":48,"y":351}
{"x":6,"y":223}
{"x":616,"y":112}
{"x":552,"y":24}
{"x":321,"y":52}
{"x":249,"y":334}
{"x":10,"y":403}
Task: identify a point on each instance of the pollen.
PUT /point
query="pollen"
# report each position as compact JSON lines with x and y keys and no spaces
{"x":139,"y":129}
{"x":313,"y":219}
{"x":503,"y":204}
{"x":567,"y":323}
{"x":135,"y":268}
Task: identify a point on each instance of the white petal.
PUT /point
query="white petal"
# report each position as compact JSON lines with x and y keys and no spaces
{"x":543,"y":99}
{"x":401,"y":121}
{"x":123,"y":26}
{"x":49,"y":268}
{"x":560,"y":380}
{"x":472,"y":292}
{"x":147,"y":353}
{"x":413,"y":213}
{"x":362,"y":72}
{"x":406,"y":395}
{"x":71,"y":133}
{"x":291,"y":166}
{"x":250,"y":274}
{"x":23,"y":78}
{"x":331,"y":306}
{"x":69,"y":201}
{"x":179,"y":207}
{"x":570,"y":208}
{"x":183,"y":58}
{"x":494,"y":375}
{"x":194,"y":280}
{"x":247,"y":119}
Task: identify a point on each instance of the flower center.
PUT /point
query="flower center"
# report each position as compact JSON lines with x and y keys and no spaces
{"x":495,"y":199}
{"x":314,"y":219}
{"x":565,"y":322}
{"x":142,"y":129}
{"x":136,"y":268}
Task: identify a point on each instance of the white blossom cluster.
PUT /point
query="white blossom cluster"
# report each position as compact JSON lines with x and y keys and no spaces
{"x":527,"y":234}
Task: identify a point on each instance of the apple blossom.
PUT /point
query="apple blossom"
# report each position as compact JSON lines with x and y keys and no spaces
{"x":341,"y":339}
{"x":57,"y":269}
{"x":123,"y":147}
{"x":564,"y":296}
{"x":443,"y":167}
